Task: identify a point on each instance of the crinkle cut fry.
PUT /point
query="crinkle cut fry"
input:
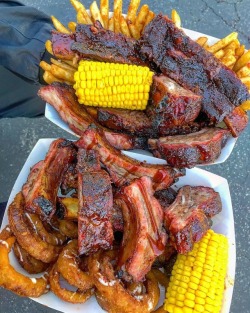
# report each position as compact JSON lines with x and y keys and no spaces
{"x":16,"y":282}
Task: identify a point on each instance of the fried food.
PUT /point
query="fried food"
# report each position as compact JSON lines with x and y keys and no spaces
{"x":48,"y":46}
{"x":242,"y":61}
{"x":111,"y":24}
{"x":16,"y":282}
{"x":132,"y":9}
{"x":202,"y":41}
{"x":104,"y":8}
{"x":95,"y":13}
{"x":77,"y":296}
{"x":50,"y":236}
{"x":26,"y":236}
{"x":5,"y":233}
{"x":68,"y":266}
{"x":59,"y":26}
{"x":176,"y":18}
{"x":124,"y":26}
{"x":49,"y":78}
{"x":82,"y":17}
{"x":141,"y":18}
{"x":112,"y":292}
{"x":72,"y":26}
{"x":222,"y":43}
{"x":68,"y":228}
{"x":117,"y":14}
{"x":68,"y":207}
{"x":28,"y":262}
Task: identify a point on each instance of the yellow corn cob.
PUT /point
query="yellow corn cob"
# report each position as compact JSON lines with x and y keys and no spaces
{"x":113,"y":85}
{"x":197,"y":280}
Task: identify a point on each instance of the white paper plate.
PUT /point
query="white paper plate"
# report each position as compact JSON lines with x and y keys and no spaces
{"x":222,"y":223}
{"x":52,"y":115}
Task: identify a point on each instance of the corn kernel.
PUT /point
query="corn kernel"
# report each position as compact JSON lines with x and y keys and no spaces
{"x":169,"y":307}
{"x":189,"y":303}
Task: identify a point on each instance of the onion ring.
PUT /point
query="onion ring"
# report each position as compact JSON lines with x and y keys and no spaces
{"x":16,"y":282}
{"x":28,"y":262}
{"x":77,"y":296}
{"x":27,"y":237}
{"x":6,"y":232}
{"x":112,"y":293}
{"x":68,"y":266}
{"x":68,"y":228}
{"x":54,"y":238}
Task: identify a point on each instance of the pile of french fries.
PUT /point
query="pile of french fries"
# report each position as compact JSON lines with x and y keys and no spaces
{"x":228,"y":50}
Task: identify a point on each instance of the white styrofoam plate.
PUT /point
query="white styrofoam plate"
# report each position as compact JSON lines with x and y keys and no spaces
{"x":52,"y":115}
{"x":222,"y":223}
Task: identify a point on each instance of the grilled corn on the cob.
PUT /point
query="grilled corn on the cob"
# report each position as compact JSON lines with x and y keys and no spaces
{"x":198,"y":278}
{"x":113,"y":85}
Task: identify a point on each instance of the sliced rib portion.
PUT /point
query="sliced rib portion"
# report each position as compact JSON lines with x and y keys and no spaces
{"x":96,"y":43}
{"x":68,"y":210}
{"x":61,"y":45}
{"x":144,"y":237}
{"x":131,"y":121}
{"x":188,"y":150}
{"x":236,"y":121}
{"x":124,"y":169}
{"x":187,"y":219}
{"x":40,"y":190}
{"x":165,"y":197}
{"x":62,"y":98}
{"x":190,"y":65}
{"x":95,"y":204}
{"x":171,"y":105}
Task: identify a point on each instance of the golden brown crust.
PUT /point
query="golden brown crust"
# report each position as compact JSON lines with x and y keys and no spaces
{"x":16,"y":282}
{"x":68,"y":266}
{"x":26,"y":236}
{"x":77,"y":296}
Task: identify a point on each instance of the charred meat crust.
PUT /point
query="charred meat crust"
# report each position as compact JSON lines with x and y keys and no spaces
{"x":188,"y":150}
{"x":42,"y":186}
{"x":186,"y":62}
{"x":96,"y":43}
{"x":95,"y":196}
{"x":124,"y":169}
{"x":62,"y":98}
{"x":189,"y":217}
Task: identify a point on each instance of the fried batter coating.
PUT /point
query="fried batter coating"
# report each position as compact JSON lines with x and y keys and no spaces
{"x":16,"y":282}
{"x":27,"y":261}
{"x":68,"y":266}
{"x":77,"y":296}
{"x":27,"y":236}
{"x":111,"y":293}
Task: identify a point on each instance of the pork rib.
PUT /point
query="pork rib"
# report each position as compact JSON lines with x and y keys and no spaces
{"x":188,"y":218}
{"x":192,"y":149}
{"x":171,"y":105}
{"x":96,"y":43}
{"x":124,"y":169}
{"x":130,"y":121}
{"x":62,"y":98}
{"x":186,"y":62}
{"x":40,"y":190}
{"x":95,"y":204}
{"x":144,"y":237}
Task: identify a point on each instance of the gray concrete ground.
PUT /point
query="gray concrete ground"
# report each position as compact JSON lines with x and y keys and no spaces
{"x":18,"y":135}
